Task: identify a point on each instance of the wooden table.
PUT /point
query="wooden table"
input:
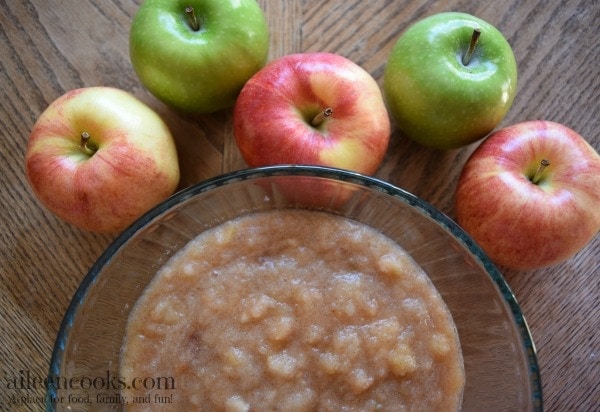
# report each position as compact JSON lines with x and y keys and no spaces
{"x":49,"y":46}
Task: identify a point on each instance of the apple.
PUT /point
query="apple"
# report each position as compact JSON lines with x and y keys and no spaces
{"x":195,"y":55}
{"x":449,"y":80}
{"x":312,"y":109}
{"x":530,"y":194}
{"x":99,"y":158}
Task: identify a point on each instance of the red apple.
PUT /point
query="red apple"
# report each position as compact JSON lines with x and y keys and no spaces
{"x":312,"y":108}
{"x":530,"y":194}
{"x":99,"y":158}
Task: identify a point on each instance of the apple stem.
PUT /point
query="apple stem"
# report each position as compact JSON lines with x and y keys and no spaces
{"x":191,"y":14}
{"x":538,"y":173}
{"x":85,"y":138}
{"x":474,"y":39}
{"x":318,"y":119}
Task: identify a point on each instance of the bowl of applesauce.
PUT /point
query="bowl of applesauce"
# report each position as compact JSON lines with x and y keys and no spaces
{"x":294,"y":288}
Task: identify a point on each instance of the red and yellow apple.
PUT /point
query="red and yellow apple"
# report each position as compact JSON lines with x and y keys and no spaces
{"x":312,"y":108}
{"x":99,"y":158}
{"x":530,"y":194}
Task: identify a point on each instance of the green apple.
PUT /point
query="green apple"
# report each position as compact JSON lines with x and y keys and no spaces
{"x":196,"y":55}
{"x":450,"y":80}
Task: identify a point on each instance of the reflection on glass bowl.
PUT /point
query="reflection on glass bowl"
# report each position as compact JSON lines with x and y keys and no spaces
{"x":499,"y":354}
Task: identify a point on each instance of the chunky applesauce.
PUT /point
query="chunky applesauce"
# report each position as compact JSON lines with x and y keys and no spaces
{"x":295,"y":311}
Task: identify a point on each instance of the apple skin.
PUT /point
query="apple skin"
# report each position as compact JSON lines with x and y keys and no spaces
{"x":134,"y":167}
{"x":198,"y":71}
{"x":274,"y":111}
{"x":433,"y":97}
{"x":522,"y":225}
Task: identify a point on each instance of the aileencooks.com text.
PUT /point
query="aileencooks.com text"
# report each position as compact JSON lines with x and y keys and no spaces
{"x":107,"y":380}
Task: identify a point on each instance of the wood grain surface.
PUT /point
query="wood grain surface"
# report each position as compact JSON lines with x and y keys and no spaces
{"x":48,"y":47}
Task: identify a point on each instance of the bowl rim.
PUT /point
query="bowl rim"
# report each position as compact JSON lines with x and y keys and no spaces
{"x":528,"y":345}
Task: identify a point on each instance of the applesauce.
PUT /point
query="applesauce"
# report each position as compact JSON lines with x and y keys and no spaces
{"x":295,"y":311}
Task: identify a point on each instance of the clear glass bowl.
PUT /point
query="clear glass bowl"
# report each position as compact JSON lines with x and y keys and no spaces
{"x":499,"y":354}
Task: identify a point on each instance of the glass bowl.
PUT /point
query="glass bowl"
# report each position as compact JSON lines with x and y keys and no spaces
{"x":499,"y":353}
